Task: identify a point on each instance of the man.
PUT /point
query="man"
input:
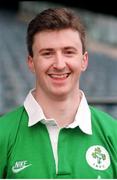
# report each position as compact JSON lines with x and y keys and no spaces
{"x":55,"y":134}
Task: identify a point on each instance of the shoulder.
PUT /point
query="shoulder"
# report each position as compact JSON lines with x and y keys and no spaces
{"x":10,"y":120}
{"x":95,"y":112}
{"x":103,"y":119}
{"x":12,"y":115}
{"x":9,"y":126}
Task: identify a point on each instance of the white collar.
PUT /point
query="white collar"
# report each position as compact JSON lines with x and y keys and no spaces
{"x":82,"y":118}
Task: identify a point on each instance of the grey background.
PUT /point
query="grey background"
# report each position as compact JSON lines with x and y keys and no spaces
{"x":99,"y":81}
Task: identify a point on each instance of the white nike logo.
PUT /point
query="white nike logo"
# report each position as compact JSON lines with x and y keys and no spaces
{"x":19,"y":166}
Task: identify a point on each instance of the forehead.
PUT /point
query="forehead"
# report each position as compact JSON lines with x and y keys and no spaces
{"x":65,"y":37}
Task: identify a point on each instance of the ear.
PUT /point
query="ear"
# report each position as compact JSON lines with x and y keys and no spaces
{"x":84,"y":61}
{"x":30,"y":64}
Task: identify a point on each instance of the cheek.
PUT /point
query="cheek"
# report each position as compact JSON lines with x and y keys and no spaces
{"x":75,"y":65}
{"x":41,"y":68}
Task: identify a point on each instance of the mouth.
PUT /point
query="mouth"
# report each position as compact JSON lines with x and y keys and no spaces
{"x":59,"y":76}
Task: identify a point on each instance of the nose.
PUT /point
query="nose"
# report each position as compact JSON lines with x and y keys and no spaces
{"x":59,"y":62}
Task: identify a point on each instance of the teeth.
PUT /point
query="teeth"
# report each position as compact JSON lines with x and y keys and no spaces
{"x":59,"y":75}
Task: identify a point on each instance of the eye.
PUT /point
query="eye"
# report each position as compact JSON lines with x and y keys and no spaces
{"x":69,"y":53}
{"x":47,"y":54}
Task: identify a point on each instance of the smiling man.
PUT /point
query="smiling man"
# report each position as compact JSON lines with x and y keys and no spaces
{"x":57,"y":62}
{"x":56,"y":134}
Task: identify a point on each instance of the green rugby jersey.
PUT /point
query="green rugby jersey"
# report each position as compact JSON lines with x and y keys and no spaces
{"x":26,"y":152}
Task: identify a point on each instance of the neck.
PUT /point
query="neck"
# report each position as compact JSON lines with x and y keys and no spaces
{"x":62,"y":110}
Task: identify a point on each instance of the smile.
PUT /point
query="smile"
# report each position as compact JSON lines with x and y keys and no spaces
{"x":59,"y":76}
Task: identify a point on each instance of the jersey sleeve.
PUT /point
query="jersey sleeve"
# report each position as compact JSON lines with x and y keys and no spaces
{"x":9,"y":124}
{"x":3,"y":150}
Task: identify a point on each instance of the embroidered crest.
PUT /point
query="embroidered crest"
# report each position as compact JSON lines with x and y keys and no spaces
{"x":98,"y":157}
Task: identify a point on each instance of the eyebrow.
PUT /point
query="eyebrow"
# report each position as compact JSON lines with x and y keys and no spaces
{"x":46,"y":49}
{"x":52,"y":49}
{"x":70,"y":47}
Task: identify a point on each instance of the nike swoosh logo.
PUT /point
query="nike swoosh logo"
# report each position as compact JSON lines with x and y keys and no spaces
{"x":20,"y":169}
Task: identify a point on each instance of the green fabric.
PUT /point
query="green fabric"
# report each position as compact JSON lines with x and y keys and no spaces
{"x":30,"y":148}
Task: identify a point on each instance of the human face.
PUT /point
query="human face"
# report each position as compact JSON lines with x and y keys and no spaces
{"x":57,"y":62}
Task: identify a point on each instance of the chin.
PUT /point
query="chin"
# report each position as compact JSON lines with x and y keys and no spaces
{"x":60,"y":94}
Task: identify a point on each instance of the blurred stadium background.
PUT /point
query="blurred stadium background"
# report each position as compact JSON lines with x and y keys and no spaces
{"x":98,"y":82}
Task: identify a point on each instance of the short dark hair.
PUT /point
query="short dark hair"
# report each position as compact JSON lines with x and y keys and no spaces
{"x":55,"y":19}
